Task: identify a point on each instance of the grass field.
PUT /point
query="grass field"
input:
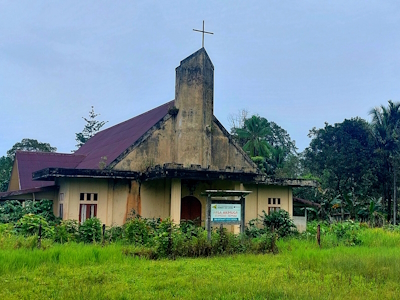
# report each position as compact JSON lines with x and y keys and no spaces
{"x":300,"y":271}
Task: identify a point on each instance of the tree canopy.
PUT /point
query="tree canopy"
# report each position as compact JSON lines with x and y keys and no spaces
{"x":268,"y":144}
{"x":342,"y":156}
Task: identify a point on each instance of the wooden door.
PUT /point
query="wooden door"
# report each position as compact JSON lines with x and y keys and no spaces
{"x":190,"y":209}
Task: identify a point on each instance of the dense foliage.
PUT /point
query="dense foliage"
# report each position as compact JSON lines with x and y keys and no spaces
{"x":269,"y":145}
{"x":354,"y":162}
{"x":150,"y":238}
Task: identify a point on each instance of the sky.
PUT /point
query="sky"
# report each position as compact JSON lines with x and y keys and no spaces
{"x":297,"y":63}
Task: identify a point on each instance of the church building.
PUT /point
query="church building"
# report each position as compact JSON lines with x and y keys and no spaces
{"x":157,"y":164}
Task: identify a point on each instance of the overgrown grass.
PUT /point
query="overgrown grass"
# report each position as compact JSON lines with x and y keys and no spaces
{"x":301,"y":270}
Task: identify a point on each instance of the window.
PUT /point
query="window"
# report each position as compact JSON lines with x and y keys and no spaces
{"x":88,"y":197}
{"x":274,"y":201}
{"x":87,"y":211}
{"x":61,"y":197}
{"x":274,"y":204}
{"x":88,"y":206}
{"x":61,"y":211}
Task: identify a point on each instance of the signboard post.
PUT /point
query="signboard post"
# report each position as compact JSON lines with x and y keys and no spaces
{"x":222,"y":212}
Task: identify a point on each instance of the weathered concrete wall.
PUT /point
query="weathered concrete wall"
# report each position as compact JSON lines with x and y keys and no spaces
{"x":194,"y":97}
{"x":119,"y":189}
{"x":116,"y":198}
{"x":156,"y":198}
{"x":257,"y":201}
{"x":155,"y":150}
{"x":301,"y":223}
{"x":225,"y":153}
{"x":72,"y":189}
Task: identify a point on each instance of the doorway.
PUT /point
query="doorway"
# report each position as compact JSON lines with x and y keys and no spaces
{"x":190,"y":209}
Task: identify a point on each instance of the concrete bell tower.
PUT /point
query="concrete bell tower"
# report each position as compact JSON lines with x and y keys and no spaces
{"x":194,"y":97}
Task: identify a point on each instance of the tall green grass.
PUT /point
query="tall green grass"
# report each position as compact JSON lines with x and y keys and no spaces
{"x":301,"y":270}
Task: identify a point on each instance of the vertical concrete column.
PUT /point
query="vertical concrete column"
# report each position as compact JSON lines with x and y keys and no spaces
{"x":176,"y":191}
{"x":110,"y":196}
{"x":290,"y":198}
{"x":236,"y":229}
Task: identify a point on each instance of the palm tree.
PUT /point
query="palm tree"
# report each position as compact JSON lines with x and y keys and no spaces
{"x":253,"y":133}
{"x":385,"y":129}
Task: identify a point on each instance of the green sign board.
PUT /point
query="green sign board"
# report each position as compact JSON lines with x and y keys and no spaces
{"x":226,"y":212}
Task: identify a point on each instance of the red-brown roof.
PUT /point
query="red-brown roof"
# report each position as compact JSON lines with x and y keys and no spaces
{"x":10,"y":194}
{"x":29,"y":162}
{"x":110,"y":143}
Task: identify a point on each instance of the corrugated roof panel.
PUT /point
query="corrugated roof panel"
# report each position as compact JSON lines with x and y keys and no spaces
{"x":113,"y":141}
{"x":29,"y":162}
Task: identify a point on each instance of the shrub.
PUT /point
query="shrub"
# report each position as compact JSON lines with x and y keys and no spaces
{"x":66,"y":231}
{"x":164,"y":238}
{"x":255,"y":228}
{"x":138,"y":231}
{"x":347,"y":232}
{"x":29,"y":225}
{"x":12,"y":210}
{"x":90,"y":231}
{"x":114,"y":233}
{"x":280,"y":222}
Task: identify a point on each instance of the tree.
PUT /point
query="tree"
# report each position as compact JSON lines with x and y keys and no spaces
{"x":386,"y":130}
{"x":253,"y":132}
{"x":92,"y":126}
{"x":30,"y":145}
{"x":343,"y":157}
{"x":6,"y":162}
{"x":5,"y":172}
{"x":268,"y":144}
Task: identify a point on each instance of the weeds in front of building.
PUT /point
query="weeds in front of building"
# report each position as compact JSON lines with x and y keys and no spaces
{"x":34,"y":226}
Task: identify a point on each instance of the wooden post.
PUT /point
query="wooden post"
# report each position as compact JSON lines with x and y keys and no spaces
{"x":104,"y":231}
{"x":243,"y":215}
{"x":40,"y":236}
{"x":208,"y":217}
{"x":319,"y":235}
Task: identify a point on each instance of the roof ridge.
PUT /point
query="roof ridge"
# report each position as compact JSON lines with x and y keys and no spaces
{"x":47,"y":153}
{"x":136,"y":116}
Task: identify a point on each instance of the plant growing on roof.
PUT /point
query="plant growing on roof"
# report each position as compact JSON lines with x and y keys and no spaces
{"x":92,"y":126}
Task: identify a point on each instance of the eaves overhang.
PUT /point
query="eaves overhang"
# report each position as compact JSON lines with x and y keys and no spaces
{"x":171,"y":170}
{"x":266,"y":180}
{"x":53,"y":173}
{"x":10,"y":194}
{"x":196,"y":172}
